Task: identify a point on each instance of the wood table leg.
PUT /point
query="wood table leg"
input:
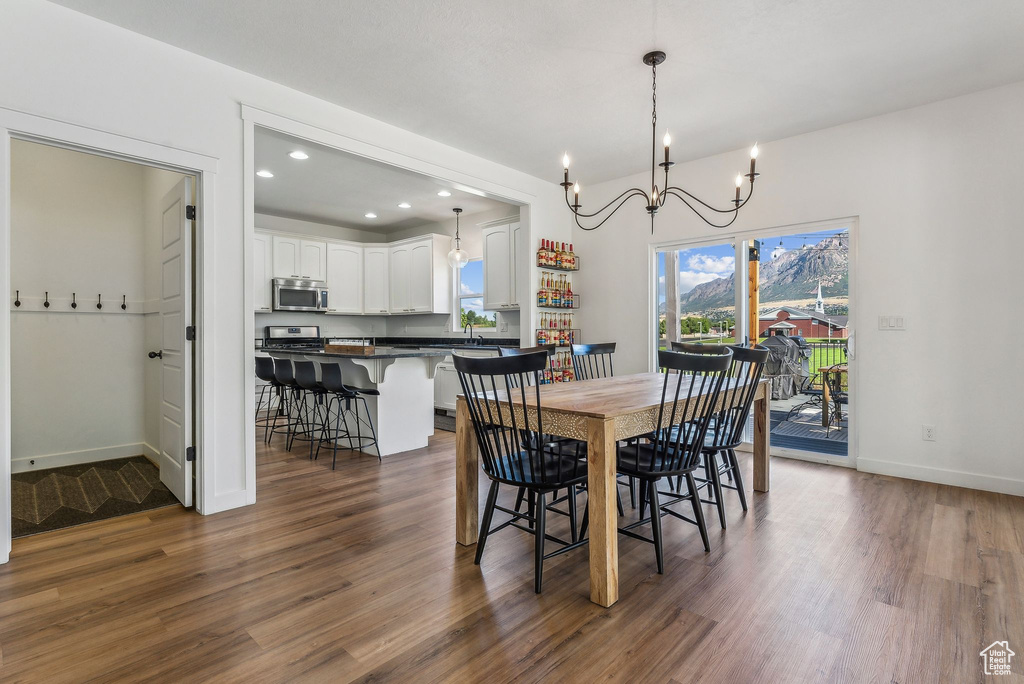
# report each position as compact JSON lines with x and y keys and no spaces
{"x":467,"y":472}
{"x":604,"y":515}
{"x":762,"y":438}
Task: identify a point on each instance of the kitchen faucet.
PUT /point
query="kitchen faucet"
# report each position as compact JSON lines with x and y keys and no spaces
{"x":469,"y":327}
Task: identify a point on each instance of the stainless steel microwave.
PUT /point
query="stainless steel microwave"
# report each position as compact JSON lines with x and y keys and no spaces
{"x":299,"y":295}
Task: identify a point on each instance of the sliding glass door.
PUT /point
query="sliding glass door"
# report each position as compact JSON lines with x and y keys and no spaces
{"x":803,"y":318}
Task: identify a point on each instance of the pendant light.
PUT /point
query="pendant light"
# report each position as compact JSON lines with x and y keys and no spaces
{"x":457,"y":257}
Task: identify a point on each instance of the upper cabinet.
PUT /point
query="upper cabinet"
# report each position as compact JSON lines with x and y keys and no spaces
{"x":410,"y":276}
{"x":287,"y":257}
{"x":375,"y":280}
{"x":314,"y":260}
{"x":298,"y":258}
{"x":344,"y":278}
{"x":420,"y":278}
{"x":502,"y":243}
{"x":262,"y":268}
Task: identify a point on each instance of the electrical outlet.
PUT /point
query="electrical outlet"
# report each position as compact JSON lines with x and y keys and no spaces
{"x":928,"y":433}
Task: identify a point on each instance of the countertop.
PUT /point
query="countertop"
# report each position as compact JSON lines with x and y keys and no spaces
{"x":381,"y":353}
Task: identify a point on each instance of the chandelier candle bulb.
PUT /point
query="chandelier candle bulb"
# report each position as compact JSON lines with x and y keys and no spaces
{"x":668,"y":141}
{"x":576,"y":192}
{"x":753,"y":159}
{"x":565,"y":167}
{"x":739,"y":182}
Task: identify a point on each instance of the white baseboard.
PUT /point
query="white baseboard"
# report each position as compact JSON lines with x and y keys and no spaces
{"x":24,"y":464}
{"x":955,"y":478}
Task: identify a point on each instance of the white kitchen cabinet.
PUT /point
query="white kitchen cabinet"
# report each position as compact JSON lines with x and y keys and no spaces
{"x":344,"y":278}
{"x":446,"y":386}
{"x":262,"y":270}
{"x":298,"y":258}
{"x":375,"y":280}
{"x":399,"y":278}
{"x":314,"y":259}
{"x":518,"y":256}
{"x":287,"y":257}
{"x":502,"y":243}
{"x":497,"y":262}
{"x":420,"y":276}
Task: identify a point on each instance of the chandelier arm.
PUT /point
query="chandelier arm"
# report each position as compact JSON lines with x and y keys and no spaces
{"x":634,"y":192}
{"x":629,"y":192}
{"x":675,"y":190}
{"x":735,"y":212}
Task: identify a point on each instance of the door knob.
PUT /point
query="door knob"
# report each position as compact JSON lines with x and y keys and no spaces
{"x":157,"y":354}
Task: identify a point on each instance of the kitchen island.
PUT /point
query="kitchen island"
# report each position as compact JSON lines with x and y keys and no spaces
{"x":403,"y":413}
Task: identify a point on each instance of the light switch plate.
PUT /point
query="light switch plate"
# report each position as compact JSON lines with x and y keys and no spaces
{"x":892,"y":322}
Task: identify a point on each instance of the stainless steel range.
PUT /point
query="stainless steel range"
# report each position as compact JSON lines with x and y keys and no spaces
{"x":299,"y":338}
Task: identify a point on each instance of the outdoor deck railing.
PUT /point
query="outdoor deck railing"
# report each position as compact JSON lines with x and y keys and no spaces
{"x":824,"y":354}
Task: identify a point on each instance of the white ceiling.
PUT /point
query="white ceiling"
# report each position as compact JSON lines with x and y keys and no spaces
{"x":337,"y":188}
{"x":519,"y":81}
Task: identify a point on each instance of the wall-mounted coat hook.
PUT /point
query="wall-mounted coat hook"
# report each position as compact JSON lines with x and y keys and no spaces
{"x":46,"y":300}
{"x":99,"y":301}
{"x":124,"y":302}
{"x":17,"y":298}
{"x":74,"y":304}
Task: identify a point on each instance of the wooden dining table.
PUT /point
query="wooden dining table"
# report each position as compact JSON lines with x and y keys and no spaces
{"x":601,"y":412}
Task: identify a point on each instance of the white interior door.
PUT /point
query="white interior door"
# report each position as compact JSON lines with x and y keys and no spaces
{"x":175,"y":315}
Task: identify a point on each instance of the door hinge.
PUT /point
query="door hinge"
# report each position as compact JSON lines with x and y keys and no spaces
{"x":190,"y":212}
{"x":190,"y":333}
{"x":190,"y":454}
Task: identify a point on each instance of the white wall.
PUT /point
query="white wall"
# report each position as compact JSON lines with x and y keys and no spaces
{"x":936,"y":190}
{"x":77,"y":376}
{"x":77,"y":69}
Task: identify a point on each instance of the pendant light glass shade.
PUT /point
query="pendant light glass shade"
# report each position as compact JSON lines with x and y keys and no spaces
{"x":458,"y":258}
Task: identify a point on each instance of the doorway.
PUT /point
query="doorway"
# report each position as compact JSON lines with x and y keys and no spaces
{"x":803,"y":318}
{"x":101,"y":375}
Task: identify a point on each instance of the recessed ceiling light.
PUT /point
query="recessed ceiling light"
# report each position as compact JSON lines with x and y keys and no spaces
{"x":370,"y":214}
{"x":444,"y":193}
{"x":263,"y":173}
{"x":298,"y":154}
{"x":404,"y":205}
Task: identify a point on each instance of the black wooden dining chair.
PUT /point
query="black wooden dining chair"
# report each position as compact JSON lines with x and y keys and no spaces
{"x":689,"y":398}
{"x":514,"y":448}
{"x":590,"y":361}
{"x":725,"y":433}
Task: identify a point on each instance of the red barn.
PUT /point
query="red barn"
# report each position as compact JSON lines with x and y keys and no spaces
{"x":793,"y":322}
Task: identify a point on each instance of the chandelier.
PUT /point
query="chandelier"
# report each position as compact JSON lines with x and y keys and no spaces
{"x":655,"y":197}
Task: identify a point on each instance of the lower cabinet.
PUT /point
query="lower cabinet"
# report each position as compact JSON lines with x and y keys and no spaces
{"x":446,"y":386}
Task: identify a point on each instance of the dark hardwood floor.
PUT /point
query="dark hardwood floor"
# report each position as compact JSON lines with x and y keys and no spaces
{"x":354,"y":575}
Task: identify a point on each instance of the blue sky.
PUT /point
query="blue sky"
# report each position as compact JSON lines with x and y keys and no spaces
{"x":471,"y":279}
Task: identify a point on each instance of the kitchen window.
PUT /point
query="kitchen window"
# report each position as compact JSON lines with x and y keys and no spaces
{"x":471,"y":296}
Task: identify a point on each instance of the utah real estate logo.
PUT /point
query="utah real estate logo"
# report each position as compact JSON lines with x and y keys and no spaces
{"x":997,"y":658}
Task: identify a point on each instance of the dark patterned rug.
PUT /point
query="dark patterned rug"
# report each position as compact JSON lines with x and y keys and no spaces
{"x":44,"y":500}
{"x":444,"y":422}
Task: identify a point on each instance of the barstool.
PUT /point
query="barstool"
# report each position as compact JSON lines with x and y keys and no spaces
{"x":312,"y":398}
{"x":345,"y":399}
{"x":265,"y":372}
{"x":290,"y":393}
